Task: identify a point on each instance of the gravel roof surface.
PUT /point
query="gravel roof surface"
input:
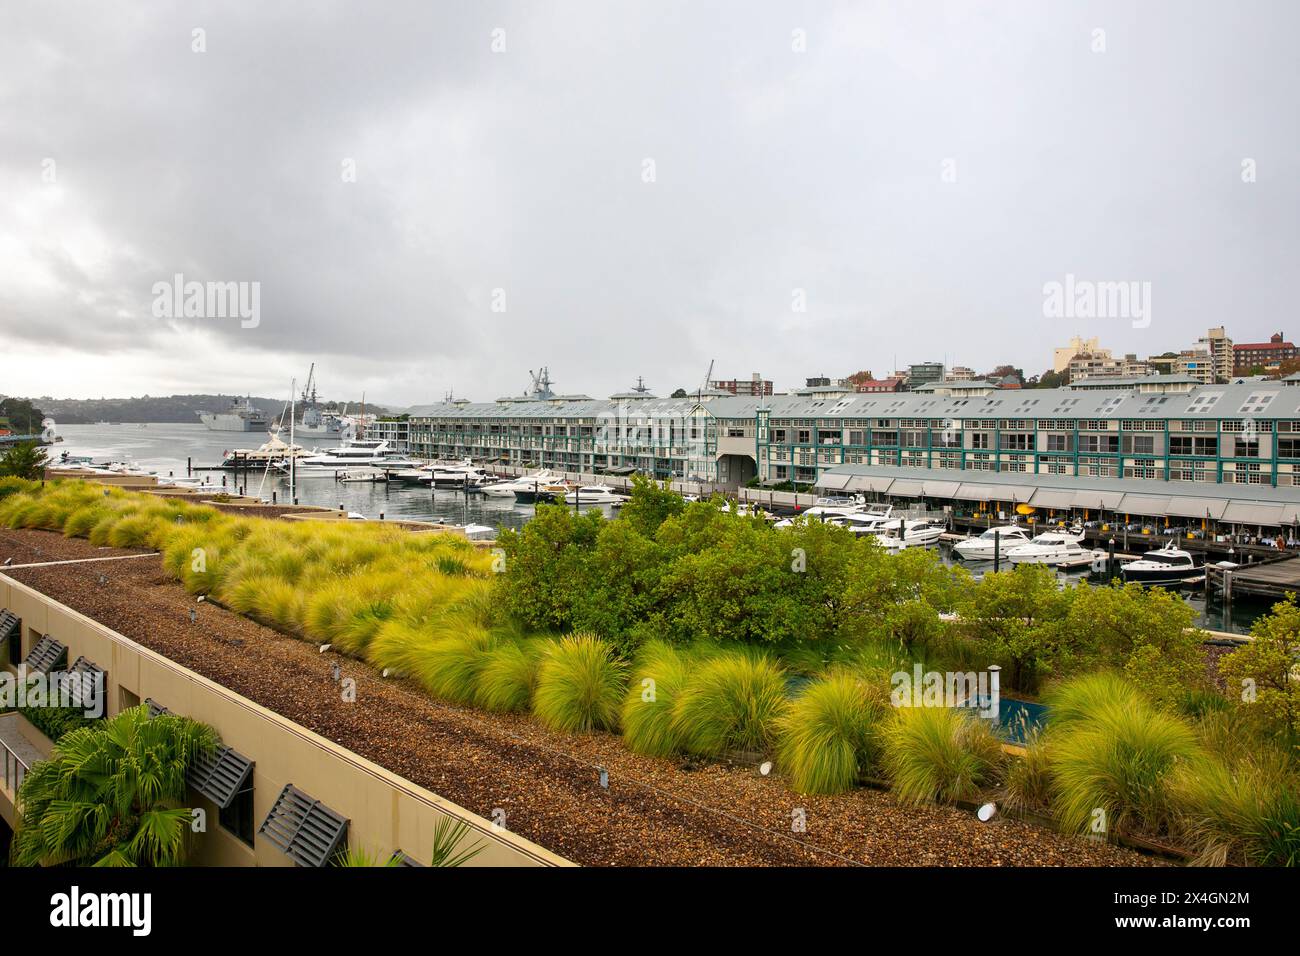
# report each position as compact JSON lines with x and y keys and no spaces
{"x":29,"y":546}
{"x":655,"y":812}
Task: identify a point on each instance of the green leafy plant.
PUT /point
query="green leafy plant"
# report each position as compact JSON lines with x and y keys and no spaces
{"x":108,"y":794}
{"x":507,"y":676}
{"x":1247,"y":811}
{"x":448,"y":835}
{"x":1112,"y":757}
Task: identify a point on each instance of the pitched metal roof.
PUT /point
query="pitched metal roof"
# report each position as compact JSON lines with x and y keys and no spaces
{"x":1262,"y":400}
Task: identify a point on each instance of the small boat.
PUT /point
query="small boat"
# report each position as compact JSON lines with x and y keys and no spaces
{"x":592,"y":495}
{"x":370,"y":476}
{"x":982,"y":547}
{"x":840,"y":501}
{"x":1052,"y":547}
{"x":860,"y":524}
{"x":478,"y":532}
{"x":1164,"y":566}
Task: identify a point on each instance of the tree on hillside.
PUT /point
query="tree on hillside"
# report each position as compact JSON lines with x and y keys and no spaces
{"x":111,"y":794}
{"x":678,"y":393}
{"x":24,"y":417}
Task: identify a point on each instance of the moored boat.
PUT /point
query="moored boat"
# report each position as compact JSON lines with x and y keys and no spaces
{"x":1164,"y":566}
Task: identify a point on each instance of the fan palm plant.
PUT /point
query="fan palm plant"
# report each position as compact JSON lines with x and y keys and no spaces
{"x":108,"y":794}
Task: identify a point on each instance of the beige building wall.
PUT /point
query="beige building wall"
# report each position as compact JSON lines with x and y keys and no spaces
{"x":386,"y":813}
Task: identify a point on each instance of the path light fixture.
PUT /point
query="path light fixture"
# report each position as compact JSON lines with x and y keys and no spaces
{"x":986,"y":812}
{"x":604,"y":778}
{"x":765,"y":768}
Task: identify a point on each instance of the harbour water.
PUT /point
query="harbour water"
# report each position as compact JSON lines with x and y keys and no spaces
{"x":165,"y":447}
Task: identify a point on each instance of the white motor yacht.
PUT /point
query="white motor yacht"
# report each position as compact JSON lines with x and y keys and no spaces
{"x":272,"y":451}
{"x":593,"y":495}
{"x":350,"y":457}
{"x":981,"y":548}
{"x":507,"y":489}
{"x":910,"y":533}
{"x":459,"y":475}
{"x":1167,"y":565}
{"x":1051,"y":547}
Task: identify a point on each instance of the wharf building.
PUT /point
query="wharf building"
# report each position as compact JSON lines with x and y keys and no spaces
{"x":1157,"y":429}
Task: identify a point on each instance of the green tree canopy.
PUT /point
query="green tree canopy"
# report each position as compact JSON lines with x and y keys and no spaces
{"x":24,"y":460}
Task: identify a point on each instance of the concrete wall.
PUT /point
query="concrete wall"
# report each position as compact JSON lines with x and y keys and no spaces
{"x":386,"y":812}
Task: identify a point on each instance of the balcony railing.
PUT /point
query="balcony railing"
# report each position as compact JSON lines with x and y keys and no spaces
{"x":14,"y":768}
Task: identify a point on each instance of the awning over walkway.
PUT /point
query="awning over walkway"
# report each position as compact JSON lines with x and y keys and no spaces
{"x":1149,"y":505}
{"x":832,"y":482}
{"x":1245,"y":512}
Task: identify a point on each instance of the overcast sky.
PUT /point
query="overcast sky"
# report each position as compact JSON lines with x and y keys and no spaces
{"x":913,"y":172}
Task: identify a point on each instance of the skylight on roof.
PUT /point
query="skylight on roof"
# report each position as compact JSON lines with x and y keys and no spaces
{"x":1256,"y":403}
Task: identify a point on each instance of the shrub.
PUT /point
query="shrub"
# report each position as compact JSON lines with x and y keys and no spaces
{"x":1115,"y":757}
{"x":446,"y":666}
{"x":54,"y":722}
{"x":830,"y":735}
{"x":1083,"y":698}
{"x":1246,"y":813}
{"x":12,"y":485}
{"x":940,"y":753}
{"x":648,"y":707}
{"x":507,"y":678}
{"x":732,"y":702}
{"x":1027,"y":781}
{"x":579,"y":685}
